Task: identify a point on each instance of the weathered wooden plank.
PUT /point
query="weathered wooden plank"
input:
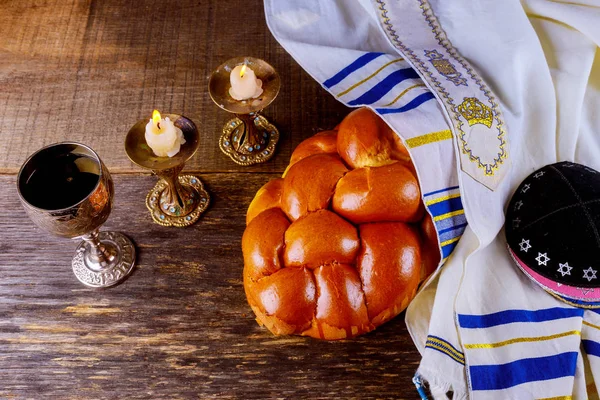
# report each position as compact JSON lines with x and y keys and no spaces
{"x":179,"y":327}
{"x":88,"y":70}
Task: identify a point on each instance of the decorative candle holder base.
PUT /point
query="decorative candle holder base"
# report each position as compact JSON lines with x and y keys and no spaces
{"x":168,"y":213}
{"x":249,"y":139}
{"x":102,"y":272}
{"x":176,"y":200}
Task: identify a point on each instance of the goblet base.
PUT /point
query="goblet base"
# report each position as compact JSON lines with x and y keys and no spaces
{"x":236,"y":143}
{"x":172,"y":214}
{"x":111,"y":271}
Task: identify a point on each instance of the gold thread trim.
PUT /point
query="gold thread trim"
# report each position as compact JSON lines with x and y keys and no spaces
{"x":447,"y":346}
{"x":368,"y":77}
{"x":429,"y":138}
{"x":592,"y":325}
{"x":520,"y":340}
{"x":564,"y":300}
{"x":557,"y":398}
{"x":443,"y":198}
{"x":445,"y":351}
{"x":448,"y":215}
{"x":447,"y":242}
{"x":443,"y":41}
{"x":404,"y":92}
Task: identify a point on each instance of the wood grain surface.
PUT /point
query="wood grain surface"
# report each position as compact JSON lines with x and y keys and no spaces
{"x":180,"y":326}
{"x":88,"y":70}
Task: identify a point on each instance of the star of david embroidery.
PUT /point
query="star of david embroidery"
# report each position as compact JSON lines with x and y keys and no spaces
{"x":585,"y":291}
{"x":516,"y":222}
{"x":518,"y":205}
{"x":564,"y":269}
{"x":587,"y":272}
{"x":524,"y":245}
{"x":525,"y":188}
{"x":542,"y":259}
{"x":539,"y":174}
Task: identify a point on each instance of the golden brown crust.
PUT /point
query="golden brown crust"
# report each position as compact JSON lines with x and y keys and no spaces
{"x":389,"y":265}
{"x":431,"y":249}
{"x":263,"y":243}
{"x":268,"y":196}
{"x":320,"y":238}
{"x":365,"y":140}
{"x":322,"y":142}
{"x":341,"y":310}
{"x":286,"y":299}
{"x":387,"y":193}
{"x":309,"y":184}
{"x":307,"y":270}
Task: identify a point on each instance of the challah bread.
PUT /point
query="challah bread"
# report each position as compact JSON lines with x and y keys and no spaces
{"x":268,"y":196}
{"x":309,"y":184}
{"x":339,"y":245}
{"x":387,"y":193}
{"x":431,"y":253}
{"x":389,"y":265}
{"x":320,"y":238}
{"x":365,"y":140}
{"x":322,"y":142}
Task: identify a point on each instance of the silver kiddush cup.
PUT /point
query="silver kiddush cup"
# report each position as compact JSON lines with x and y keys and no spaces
{"x":67,"y":190}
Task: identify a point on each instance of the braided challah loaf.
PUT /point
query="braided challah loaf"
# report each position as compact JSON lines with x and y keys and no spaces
{"x":340,"y":244}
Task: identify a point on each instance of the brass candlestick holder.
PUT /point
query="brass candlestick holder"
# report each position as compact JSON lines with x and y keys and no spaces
{"x":249,"y":138}
{"x":176,"y":200}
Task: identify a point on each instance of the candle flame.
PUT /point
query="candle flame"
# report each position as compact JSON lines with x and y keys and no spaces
{"x":243,"y":71}
{"x":155,"y":116}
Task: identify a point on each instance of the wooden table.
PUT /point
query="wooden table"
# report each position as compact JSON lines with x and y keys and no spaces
{"x":180,"y":326}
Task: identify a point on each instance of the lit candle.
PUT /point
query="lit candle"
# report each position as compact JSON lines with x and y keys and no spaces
{"x":244,"y":84}
{"x":163,"y":137}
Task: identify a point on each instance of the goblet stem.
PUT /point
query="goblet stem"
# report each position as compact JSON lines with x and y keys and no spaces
{"x":100,"y":256}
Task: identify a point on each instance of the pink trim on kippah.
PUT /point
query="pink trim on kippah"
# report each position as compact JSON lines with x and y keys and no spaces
{"x":564,"y":290}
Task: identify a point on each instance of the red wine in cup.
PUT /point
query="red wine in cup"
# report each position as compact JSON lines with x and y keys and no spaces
{"x":61,"y":182}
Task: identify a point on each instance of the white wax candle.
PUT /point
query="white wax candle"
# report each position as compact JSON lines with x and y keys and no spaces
{"x":244,"y":84}
{"x":163,"y":137}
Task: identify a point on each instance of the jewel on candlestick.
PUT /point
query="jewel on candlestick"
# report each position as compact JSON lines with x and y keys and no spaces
{"x":176,"y":200}
{"x":244,"y":86}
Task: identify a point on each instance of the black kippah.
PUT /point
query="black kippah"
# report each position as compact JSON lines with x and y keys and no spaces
{"x":553,"y":223}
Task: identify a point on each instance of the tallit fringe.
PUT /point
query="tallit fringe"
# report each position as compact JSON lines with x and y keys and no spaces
{"x":439,"y":387}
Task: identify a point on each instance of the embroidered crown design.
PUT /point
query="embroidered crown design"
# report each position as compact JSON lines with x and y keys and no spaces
{"x":475,"y":112}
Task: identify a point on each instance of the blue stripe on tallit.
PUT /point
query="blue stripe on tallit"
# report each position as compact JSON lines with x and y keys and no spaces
{"x":355,"y":65}
{"x":451,"y":234}
{"x":443,"y":232}
{"x":447,"y":249}
{"x":446,"y":206}
{"x":383,"y":87}
{"x":440,"y":191}
{"x":502,"y":376}
{"x":414,"y":103}
{"x":451,"y":222}
{"x":510,"y":316}
{"x":591,"y":348}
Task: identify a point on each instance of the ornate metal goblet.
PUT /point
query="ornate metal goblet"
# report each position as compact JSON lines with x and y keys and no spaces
{"x":67,"y":190}
{"x":249,"y":138}
{"x":176,"y":200}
